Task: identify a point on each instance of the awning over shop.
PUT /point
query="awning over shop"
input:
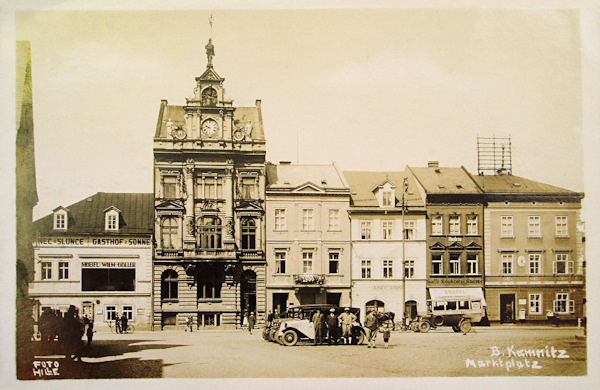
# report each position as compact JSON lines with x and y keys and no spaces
{"x":445,"y":293}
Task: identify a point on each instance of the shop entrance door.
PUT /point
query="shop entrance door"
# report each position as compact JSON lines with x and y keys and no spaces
{"x":87,"y":310}
{"x":507,"y":308}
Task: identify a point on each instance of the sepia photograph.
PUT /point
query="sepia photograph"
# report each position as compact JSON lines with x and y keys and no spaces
{"x":262,"y":195}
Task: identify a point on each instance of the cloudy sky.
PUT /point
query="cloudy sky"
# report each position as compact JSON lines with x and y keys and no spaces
{"x":373,"y":89}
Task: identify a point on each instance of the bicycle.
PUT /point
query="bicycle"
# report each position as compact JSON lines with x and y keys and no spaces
{"x":113,"y":329}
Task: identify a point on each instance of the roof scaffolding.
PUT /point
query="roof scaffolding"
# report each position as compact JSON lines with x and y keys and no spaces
{"x":494,"y":154}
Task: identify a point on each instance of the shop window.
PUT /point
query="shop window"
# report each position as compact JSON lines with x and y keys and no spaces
{"x":108,"y":279}
{"x":209,"y":284}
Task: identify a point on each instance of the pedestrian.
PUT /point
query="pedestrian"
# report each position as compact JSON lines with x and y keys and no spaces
{"x":331,"y":322}
{"x":117,"y":323}
{"x":90,"y":332}
{"x":73,"y":330}
{"x":251,"y":321}
{"x":371,"y":328}
{"x":345,"y":320}
{"x":269,"y":318}
{"x":317,"y":321}
{"x":189,"y":323}
{"x":386,"y":332}
{"x":124,"y":320}
{"x":44,"y":325}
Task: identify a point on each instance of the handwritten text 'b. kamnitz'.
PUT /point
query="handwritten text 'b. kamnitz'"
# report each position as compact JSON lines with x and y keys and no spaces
{"x":517,"y":358}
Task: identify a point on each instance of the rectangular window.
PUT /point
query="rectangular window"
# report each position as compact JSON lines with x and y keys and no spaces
{"x":535,"y":226}
{"x":409,"y":230}
{"x":63,"y":270}
{"x":365,"y":266}
{"x":307,"y":262}
{"x":280,"y":219}
{"x":46,"y":270}
{"x":308,"y":222}
{"x":387,"y":198}
{"x":334,"y":219}
{"x":506,"y":226}
{"x":562,"y":265}
{"x":535,"y":263}
{"x":562,"y":226}
{"x":111,"y":313}
{"x":535,"y":303}
{"x":473,"y":264}
{"x":409,"y":269}
{"x":111,"y":222}
{"x":507,"y":263}
{"x":386,"y":228}
{"x":437,"y":227}
{"x":454,"y":225}
{"x":60,"y":220}
{"x":388,"y":269}
{"x":472,"y":225}
{"x":455,"y":263}
{"x":334,"y":262}
{"x":209,"y":187}
{"x":249,"y":187}
{"x":108,"y":279}
{"x":280,"y":262}
{"x":437,"y":264}
{"x":128,"y":311}
{"x":365,"y":230}
{"x":169,"y":186}
{"x":563,"y":305}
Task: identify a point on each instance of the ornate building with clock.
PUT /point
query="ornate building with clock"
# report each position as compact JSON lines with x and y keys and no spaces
{"x":209,"y":191}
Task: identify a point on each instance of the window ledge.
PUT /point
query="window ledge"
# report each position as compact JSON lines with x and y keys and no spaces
{"x":557,"y":237}
{"x":508,"y":237}
{"x":280,"y":230}
{"x":535,"y":237}
{"x":210,"y":300}
{"x":170,"y":300}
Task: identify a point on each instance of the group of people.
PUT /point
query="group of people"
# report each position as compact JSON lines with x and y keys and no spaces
{"x":373,"y":325}
{"x":67,"y":329}
{"x":121,"y":323}
{"x":330,"y":326}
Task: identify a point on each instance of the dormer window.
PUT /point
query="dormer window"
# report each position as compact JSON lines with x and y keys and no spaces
{"x":61,"y":219}
{"x":387,"y":197}
{"x":111,"y":218}
{"x":385,"y":194}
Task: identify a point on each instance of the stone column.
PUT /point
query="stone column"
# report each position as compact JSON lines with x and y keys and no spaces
{"x":189,"y":236}
{"x":229,"y":238}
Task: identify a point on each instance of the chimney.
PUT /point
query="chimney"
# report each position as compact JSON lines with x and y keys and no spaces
{"x":433,"y":164}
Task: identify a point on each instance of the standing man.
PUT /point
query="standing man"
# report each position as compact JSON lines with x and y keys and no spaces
{"x":331,"y":322}
{"x":345,"y":320}
{"x":124,"y":323}
{"x":317,"y":320}
{"x":251,"y":321}
{"x":117,"y":323}
{"x":371,"y":328}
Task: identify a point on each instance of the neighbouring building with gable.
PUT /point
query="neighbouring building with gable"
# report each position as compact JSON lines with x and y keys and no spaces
{"x":96,"y":255}
{"x":534,"y":265}
{"x":308,"y":236}
{"x":388,"y":242}
{"x":209,"y":191}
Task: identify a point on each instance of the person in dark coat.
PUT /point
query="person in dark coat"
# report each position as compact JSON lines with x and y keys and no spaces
{"x":251,"y":322}
{"x":89,"y":331}
{"x":331,"y":321}
{"x":117,"y":323}
{"x":317,"y":320}
{"x":124,"y":323}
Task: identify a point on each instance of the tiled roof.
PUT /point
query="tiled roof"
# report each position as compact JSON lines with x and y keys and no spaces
{"x":440,"y":180}
{"x":510,"y":184}
{"x":87,"y":215}
{"x":362,"y":185}
{"x":241,"y":116}
{"x":291,"y":176}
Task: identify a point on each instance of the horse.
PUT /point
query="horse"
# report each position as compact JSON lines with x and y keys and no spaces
{"x":386,"y":319}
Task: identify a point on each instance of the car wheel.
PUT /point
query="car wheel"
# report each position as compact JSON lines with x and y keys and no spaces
{"x":465,"y":326}
{"x":424,"y":327}
{"x":438,"y":320}
{"x":456,"y":328}
{"x":414,"y":326}
{"x":289,"y":338}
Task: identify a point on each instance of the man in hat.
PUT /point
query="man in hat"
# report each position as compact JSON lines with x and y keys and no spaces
{"x":317,"y":320}
{"x":331,"y":321}
{"x":345,"y":320}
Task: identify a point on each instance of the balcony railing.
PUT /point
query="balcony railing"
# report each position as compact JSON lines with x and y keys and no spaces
{"x":310,"y":279}
{"x":251,"y":254}
{"x":168,"y":252}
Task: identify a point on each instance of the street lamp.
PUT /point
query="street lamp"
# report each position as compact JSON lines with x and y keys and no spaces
{"x":404,"y":191}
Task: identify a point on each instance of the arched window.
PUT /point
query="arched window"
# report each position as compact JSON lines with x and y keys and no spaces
{"x":210,"y":232}
{"x":170,"y":233}
{"x":209,"y":281}
{"x":248,"y":233}
{"x":374,"y":305}
{"x":168,"y":286}
{"x":209,"y":97}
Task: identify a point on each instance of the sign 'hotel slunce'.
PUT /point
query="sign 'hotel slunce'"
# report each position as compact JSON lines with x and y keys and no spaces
{"x":94,"y":241}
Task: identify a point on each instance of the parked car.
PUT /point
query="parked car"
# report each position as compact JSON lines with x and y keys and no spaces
{"x":296,"y":325}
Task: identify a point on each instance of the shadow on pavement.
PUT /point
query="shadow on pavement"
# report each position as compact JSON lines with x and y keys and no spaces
{"x":101,"y":360}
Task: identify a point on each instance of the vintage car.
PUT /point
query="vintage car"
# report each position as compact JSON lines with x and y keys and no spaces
{"x":459,"y":313}
{"x":296,"y":325}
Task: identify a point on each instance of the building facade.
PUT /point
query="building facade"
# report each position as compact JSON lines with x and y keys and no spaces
{"x":209,"y":181}
{"x":388,"y":242}
{"x":96,"y":255}
{"x":534,"y":265}
{"x":455,"y":206}
{"x":308,"y":236}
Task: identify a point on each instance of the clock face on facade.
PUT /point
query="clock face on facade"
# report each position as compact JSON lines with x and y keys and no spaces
{"x":210,"y":127}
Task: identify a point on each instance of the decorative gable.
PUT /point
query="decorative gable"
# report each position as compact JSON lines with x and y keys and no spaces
{"x":308,"y":187}
{"x":456,"y":246}
{"x":170,"y":207}
{"x":437,"y":247}
{"x":474,"y":246}
{"x":61,"y":218}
